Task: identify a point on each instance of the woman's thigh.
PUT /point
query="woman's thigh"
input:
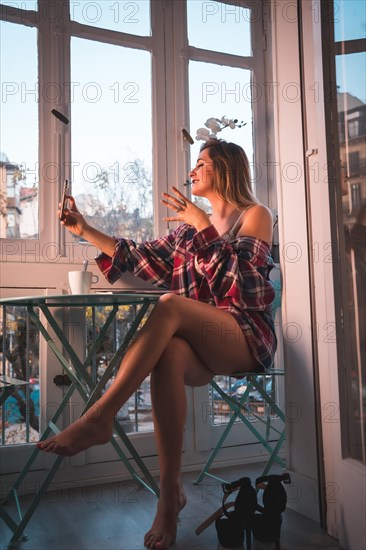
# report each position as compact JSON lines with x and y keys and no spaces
{"x":213,"y":334}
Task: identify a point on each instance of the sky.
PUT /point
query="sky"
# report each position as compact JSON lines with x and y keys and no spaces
{"x":111,"y":86}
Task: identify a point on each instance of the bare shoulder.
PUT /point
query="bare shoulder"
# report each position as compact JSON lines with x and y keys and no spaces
{"x":257,"y":222}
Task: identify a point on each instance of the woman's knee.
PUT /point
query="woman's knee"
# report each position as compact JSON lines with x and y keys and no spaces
{"x":168,"y":300}
{"x":167,"y":304}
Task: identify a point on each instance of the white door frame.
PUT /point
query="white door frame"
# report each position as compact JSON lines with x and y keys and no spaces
{"x":345,"y":479}
{"x":295,"y":260}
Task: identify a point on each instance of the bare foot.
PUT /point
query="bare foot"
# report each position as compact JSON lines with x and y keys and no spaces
{"x":93,"y":428}
{"x":164,"y":528}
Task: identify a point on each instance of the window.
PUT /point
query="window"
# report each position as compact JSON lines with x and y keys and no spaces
{"x":127,"y":85}
{"x":354,"y":163}
{"x":19,"y":356}
{"x":111,"y":137}
{"x":122,"y":16}
{"x":353,"y":128}
{"x":226,"y":76}
{"x":136,"y":414}
{"x":349,"y":229}
{"x":216,"y":26}
{"x":19,"y":191}
{"x":117,"y":150}
{"x":106,"y":149}
{"x":217,"y":91}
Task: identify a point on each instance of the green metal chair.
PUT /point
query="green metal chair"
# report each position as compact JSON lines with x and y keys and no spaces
{"x":241,"y":408}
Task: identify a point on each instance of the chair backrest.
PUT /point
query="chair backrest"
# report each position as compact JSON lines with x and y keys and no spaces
{"x":277,"y":301}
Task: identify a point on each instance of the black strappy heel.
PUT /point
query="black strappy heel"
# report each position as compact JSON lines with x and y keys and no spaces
{"x":231,"y":529}
{"x":266,"y":525}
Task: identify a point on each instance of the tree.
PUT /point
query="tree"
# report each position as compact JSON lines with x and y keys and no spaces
{"x":122,"y":203}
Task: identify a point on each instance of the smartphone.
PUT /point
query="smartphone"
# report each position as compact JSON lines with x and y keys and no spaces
{"x":63,"y":200}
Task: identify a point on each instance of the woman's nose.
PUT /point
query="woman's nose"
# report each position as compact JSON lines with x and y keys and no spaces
{"x":191,"y":173}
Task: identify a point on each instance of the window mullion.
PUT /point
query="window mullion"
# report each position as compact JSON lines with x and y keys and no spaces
{"x":159,"y":111}
{"x":259,"y":101}
{"x":110,"y":37}
{"x":54,"y":135}
{"x":181,"y":111}
{"x":209,"y":56}
{"x":11,"y":14}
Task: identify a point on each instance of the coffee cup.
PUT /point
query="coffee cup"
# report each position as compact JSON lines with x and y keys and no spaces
{"x":80,"y":281}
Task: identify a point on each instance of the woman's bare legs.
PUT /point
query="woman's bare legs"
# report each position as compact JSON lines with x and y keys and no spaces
{"x":208,"y":341}
{"x":178,"y":366}
{"x":214,"y":336}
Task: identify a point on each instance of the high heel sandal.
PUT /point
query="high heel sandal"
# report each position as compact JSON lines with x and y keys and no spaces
{"x":230,"y":526}
{"x":266,"y":525}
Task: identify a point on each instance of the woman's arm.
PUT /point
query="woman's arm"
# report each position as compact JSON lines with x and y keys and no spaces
{"x":100,"y":240}
{"x":152,"y":261}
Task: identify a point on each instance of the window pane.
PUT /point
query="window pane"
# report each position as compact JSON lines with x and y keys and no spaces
{"x":254,"y":407}
{"x":136,"y":414}
{"x":347,"y":66}
{"x":111,"y":137}
{"x":351,"y":107}
{"x":20,"y":4}
{"x":216,"y":91}
{"x":18,"y":132}
{"x":349,"y":19}
{"x":122,"y":16}
{"x":19,"y":356}
{"x":219,"y":27}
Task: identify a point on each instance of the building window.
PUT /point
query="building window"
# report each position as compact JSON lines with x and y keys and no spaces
{"x":353,"y":128}
{"x":354,"y":163}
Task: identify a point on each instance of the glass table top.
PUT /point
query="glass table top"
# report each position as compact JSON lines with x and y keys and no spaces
{"x":123,"y":297}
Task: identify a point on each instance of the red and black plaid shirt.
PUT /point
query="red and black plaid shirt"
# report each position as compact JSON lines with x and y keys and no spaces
{"x":233,"y":276}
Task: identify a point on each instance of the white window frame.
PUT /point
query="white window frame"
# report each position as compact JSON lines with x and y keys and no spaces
{"x":171,"y":161}
{"x":54,"y":139}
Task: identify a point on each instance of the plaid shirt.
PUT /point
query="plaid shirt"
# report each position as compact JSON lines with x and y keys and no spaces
{"x":233,"y":276}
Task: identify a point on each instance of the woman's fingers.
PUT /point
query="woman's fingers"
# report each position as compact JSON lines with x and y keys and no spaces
{"x":174,"y":205}
{"x":180,"y":195}
{"x":72,"y":203}
{"x":174,"y":202}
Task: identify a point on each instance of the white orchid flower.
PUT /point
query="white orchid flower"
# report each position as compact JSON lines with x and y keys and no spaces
{"x":217,"y":125}
{"x":213,"y":124}
{"x":202,"y":133}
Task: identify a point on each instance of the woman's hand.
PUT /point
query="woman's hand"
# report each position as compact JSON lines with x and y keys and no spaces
{"x":73,"y":220}
{"x":185,"y":210}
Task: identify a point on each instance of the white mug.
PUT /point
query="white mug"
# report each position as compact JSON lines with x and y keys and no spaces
{"x":80,"y":281}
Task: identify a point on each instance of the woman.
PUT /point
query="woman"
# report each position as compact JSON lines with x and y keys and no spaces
{"x":221,"y":260}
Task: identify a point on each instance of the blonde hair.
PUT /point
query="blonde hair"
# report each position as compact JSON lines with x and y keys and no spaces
{"x":232,"y":180}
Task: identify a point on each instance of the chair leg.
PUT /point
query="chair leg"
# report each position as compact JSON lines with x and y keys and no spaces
{"x":237,"y":409}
